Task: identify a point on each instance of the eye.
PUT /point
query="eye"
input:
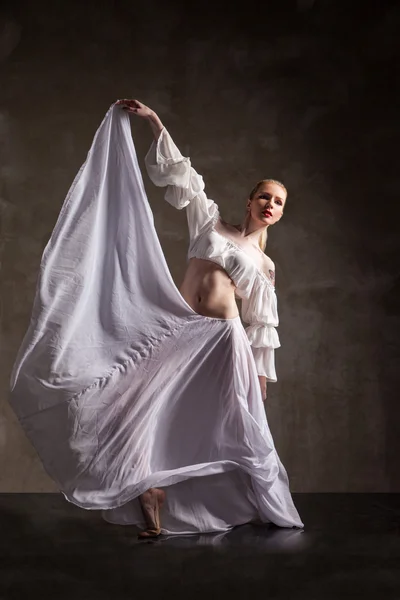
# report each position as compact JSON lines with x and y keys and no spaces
{"x":279,"y":202}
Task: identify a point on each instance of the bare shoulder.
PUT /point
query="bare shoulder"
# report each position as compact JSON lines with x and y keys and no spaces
{"x":269,"y":268}
{"x":268,"y":260}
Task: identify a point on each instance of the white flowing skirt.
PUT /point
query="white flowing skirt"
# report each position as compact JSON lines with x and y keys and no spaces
{"x":121,"y":386}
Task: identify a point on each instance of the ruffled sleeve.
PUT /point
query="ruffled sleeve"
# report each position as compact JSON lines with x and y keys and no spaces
{"x":167,"y":167}
{"x":261,"y":314}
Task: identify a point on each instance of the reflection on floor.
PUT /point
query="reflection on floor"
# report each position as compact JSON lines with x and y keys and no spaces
{"x":350,"y":548}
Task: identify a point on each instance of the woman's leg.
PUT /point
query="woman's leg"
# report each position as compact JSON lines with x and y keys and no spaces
{"x":151,"y":502}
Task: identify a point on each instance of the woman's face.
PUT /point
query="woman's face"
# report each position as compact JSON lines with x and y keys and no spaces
{"x":266,"y":207}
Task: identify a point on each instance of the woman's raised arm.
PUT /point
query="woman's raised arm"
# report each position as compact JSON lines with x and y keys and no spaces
{"x":141,"y":110}
{"x":167,"y":167}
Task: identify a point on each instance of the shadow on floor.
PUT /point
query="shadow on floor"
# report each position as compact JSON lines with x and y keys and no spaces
{"x":349,"y":549}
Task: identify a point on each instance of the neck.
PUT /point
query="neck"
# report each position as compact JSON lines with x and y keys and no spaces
{"x":251,"y":230}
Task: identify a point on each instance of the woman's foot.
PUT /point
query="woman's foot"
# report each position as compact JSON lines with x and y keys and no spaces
{"x":151,"y":502}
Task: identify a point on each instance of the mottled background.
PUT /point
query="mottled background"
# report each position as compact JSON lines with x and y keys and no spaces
{"x":303,"y":91}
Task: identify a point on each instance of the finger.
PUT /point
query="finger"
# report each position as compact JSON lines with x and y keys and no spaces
{"x":127,"y":102}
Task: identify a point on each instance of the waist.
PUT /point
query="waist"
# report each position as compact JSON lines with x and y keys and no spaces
{"x":209,"y":290}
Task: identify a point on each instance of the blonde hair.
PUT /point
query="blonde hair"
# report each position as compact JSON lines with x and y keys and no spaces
{"x":262,"y":240}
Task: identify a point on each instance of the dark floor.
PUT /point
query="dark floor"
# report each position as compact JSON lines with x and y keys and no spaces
{"x":349,"y":549}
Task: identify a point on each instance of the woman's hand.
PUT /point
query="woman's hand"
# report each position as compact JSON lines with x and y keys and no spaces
{"x":263,"y":385}
{"x":136,"y":108}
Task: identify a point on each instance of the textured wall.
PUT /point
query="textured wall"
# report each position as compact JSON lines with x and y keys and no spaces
{"x":300,"y":91}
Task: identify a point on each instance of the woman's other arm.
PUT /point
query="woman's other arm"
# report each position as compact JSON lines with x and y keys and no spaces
{"x":263,"y":385}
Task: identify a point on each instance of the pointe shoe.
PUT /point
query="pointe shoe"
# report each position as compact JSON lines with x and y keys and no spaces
{"x":151,"y":506}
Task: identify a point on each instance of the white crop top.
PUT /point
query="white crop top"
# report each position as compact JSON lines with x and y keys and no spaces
{"x":185,"y":189}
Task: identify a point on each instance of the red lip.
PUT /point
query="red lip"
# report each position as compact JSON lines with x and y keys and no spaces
{"x":266,"y":212}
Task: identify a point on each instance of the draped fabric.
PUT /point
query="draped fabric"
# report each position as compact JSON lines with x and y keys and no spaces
{"x":121,"y":386}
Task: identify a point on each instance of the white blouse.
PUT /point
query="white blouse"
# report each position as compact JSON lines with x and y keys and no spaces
{"x":209,"y":240}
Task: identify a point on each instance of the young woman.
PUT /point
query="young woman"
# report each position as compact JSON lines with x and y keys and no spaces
{"x":142,"y":400}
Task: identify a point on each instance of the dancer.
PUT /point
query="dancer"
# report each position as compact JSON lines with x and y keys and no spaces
{"x":139,"y":397}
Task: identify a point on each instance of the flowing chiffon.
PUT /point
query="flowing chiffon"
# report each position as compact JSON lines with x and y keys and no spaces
{"x":121,"y":386}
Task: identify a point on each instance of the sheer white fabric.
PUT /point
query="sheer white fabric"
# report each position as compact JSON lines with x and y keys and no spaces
{"x":185,"y":189}
{"x":121,"y":386}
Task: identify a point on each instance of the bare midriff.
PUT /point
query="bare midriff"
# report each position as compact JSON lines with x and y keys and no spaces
{"x":209,"y":290}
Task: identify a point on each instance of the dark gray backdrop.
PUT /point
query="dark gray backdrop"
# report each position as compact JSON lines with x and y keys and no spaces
{"x":301,"y":91}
